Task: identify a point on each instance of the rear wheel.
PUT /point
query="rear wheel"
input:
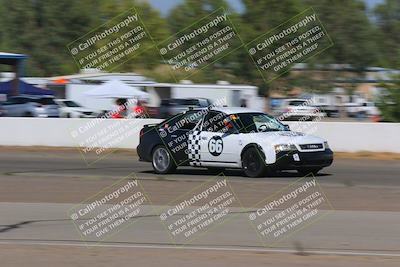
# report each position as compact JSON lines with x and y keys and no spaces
{"x":162,"y":160}
{"x":253,"y":163}
{"x":306,"y":171}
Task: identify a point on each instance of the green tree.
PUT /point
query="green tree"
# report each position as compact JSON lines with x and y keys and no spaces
{"x":388,"y":20}
{"x":356,"y":39}
{"x":189,"y":16}
{"x":389,"y":101}
{"x":190,"y":11}
{"x":156,"y":27}
{"x":261,"y":16}
{"x":42,"y":29}
{"x":354,"y":36}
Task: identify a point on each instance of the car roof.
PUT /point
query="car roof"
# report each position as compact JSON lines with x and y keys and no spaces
{"x":235,"y":110}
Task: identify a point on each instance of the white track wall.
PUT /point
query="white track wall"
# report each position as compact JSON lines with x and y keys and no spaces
{"x":342,"y":136}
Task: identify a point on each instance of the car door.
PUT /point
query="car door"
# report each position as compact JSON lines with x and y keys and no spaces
{"x":50,"y":106}
{"x":21,"y":107}
{"x":12,"y":107}
{"x":219,"y":140}
{"x":175,"y":134}
{"x":7,"y":108}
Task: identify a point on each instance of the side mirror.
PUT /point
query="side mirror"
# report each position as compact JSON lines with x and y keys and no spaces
{"x":287,"y":127}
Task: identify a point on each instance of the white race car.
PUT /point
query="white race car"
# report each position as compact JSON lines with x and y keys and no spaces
{"x":222,"y":137}
{"x":299,"y":109}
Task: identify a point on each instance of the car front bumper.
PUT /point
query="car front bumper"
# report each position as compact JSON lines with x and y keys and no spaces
{"x":294,"y":160}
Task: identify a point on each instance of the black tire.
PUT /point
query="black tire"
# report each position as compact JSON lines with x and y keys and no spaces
{"x":28,"y":114}
{"x":162,"y":160}
{"x":68,"y":115}
{"x":306,"y":171}
{"x":253,"y":163}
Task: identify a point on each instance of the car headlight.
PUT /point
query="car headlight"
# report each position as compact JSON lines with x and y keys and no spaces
{"x":326,"y":145}
{"x":284,"y":147}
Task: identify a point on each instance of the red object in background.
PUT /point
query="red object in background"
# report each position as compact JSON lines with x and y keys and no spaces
{"x":228,"y":124}
{"x":118,"y":113}
{"x":138,"y":110}
{"x":376,"y":118}
{"x":61,"y":81}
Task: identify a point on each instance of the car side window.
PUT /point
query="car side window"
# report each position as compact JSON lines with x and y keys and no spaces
{"x":217,"y":122}
{"x":184,"y":121}
{"x":9,"y":102}
{"x":21,"y":100}
{"x":190,"y":119}
{"x":15,"y":100}
{"x":209,"y":121}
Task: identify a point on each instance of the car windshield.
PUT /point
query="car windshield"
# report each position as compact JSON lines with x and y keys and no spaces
{"x":71,"y":104}
{"x":257,"y":122}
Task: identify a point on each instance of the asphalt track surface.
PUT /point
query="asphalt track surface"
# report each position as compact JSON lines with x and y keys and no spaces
{"x":38,"y":187}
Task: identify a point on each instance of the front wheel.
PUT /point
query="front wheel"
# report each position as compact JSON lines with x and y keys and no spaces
{"x":162,"y":160}
{"x":253,"y":163}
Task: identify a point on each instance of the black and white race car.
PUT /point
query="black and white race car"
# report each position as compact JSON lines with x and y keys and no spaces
{"x":221,"y":137}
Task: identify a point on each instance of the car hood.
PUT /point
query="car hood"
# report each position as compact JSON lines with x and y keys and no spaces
{"x":284,"y":137}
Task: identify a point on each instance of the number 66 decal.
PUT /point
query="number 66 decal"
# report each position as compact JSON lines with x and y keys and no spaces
{"x":215,"y":146}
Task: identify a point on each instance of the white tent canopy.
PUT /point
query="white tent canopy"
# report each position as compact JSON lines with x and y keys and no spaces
{"x":116,"y":89}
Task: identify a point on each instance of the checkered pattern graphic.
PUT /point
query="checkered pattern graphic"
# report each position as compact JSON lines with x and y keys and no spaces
{"x":194,"y":148}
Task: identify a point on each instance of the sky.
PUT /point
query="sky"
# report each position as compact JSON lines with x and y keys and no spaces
{"x":166,"y":5}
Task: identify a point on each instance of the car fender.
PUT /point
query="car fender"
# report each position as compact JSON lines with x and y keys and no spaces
{"x":267,"y":152}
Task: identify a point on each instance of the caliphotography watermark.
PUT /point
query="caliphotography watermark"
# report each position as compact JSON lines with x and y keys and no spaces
{"x":198,"y":211}
{"x":99,"y":137}
{"x":110,"y":210}
{"x":200,"y":44}
{"x":290,"y":210}
{"x":178,"y":133}
{"x":112,"y":43}
{"x":294,"y":41}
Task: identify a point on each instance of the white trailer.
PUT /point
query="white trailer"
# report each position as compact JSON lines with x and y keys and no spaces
{"x":232,"y":95}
